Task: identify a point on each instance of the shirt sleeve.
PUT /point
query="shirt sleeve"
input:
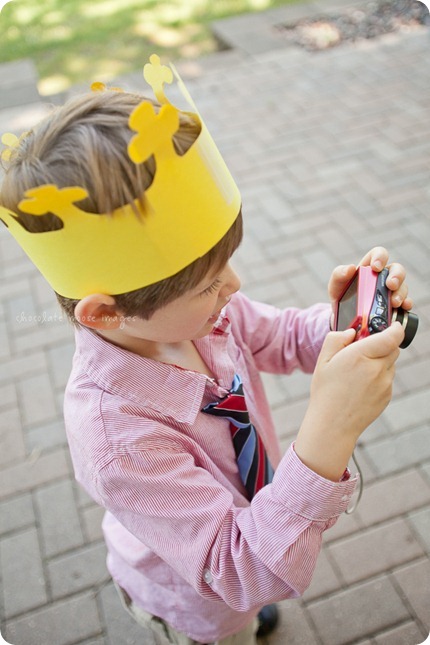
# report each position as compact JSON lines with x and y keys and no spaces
{"x":246,"y":556}
{"x":280,"y":340}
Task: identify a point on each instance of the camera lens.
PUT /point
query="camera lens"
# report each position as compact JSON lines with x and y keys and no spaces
{"x":409,"y":322}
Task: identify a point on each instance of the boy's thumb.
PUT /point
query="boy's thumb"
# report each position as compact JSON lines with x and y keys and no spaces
{"x":380,"y":345}
{"x":334,"y":342}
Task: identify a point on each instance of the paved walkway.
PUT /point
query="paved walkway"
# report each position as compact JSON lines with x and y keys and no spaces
{"x":331,"y":152}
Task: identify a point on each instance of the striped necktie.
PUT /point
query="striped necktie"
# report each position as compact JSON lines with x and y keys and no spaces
{"x":254,"y":467}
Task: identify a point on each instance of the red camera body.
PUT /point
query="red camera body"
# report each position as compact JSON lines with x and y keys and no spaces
{"x":365,"y":306}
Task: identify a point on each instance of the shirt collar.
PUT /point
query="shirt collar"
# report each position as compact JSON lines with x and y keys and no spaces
{"x":168,"y":389}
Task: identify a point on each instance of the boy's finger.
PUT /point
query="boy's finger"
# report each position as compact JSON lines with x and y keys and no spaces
{"x":377,"y":258}
{"x":383,"y":343}
{"x":340,"y":278}
{"x":334,"y":342}
{"x":396,"y":276}
{"x":399,"y":296}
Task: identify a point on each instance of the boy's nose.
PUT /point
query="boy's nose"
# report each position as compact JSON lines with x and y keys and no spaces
{"x":232,"y":283}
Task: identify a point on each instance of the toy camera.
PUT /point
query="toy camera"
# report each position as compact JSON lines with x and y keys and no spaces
{"x":365,"y":306}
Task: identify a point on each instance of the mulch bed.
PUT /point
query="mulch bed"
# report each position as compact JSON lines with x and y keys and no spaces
{"x":372,"y":19}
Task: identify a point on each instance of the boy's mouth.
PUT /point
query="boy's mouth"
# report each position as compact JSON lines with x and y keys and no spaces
{"x":216,"y":315}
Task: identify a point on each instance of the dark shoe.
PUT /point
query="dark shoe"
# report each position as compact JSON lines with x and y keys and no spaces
{"x":268,"y":619}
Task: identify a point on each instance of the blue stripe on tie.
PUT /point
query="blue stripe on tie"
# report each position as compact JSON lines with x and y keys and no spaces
{"x":269,"y":471}
{"x":237,"y":382}
{"x":234,"y":421}
{"x":244,"y":460}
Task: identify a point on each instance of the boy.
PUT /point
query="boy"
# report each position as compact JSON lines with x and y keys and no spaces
{"x":168,"y":425}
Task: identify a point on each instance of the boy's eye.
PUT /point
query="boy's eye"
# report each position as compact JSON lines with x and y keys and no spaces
{"x":212,"y":287}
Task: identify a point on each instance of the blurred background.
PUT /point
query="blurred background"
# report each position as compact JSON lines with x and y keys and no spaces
{"x":75,"y":41}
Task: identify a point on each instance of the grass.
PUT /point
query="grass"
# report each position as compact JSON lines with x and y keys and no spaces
{"x":76,"y":41}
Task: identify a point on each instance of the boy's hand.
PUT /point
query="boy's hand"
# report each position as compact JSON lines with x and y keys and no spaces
{"x":351,"y":386}
{"x":353,"y":381}
{"x":377,"y":258}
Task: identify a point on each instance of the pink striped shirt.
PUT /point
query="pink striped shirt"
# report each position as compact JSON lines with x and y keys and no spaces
{"x":183,"y":540}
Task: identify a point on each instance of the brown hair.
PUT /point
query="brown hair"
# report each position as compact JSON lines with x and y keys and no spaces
{"x":84,"y":143}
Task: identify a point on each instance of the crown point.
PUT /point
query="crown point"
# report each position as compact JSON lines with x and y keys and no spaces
{"x":97,"y":86}
{"x":11,"y":141}
{"x":154,"y":131}
{"x":156,"y":75}
{"x":50,"y":199}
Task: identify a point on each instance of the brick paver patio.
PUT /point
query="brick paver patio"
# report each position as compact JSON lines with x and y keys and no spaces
{"x":331,"y":152}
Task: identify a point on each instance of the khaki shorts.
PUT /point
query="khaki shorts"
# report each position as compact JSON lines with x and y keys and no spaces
{"x":164,"y":634}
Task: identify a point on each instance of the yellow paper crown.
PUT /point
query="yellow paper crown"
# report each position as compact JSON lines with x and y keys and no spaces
{"x":189,"y":207}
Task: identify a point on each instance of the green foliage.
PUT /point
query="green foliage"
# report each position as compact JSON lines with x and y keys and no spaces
{"x":74,"y":41}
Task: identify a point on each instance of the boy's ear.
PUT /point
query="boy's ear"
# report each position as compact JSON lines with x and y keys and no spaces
{"x":98,"y":311}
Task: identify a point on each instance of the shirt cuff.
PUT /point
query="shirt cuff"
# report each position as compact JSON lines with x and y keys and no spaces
{"x":308,"y":494}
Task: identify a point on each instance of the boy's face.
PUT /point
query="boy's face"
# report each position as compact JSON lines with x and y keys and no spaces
{"x":190,"y":316}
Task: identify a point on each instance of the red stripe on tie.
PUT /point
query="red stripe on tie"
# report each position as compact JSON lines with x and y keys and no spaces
{"x":233,"y":430}
{"x":233,"y":402}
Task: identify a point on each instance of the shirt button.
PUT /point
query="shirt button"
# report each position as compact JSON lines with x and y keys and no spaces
{"x":207,"y":576}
